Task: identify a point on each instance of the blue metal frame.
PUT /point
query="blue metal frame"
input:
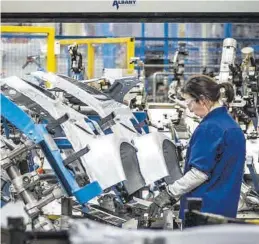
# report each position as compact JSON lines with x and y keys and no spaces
{"x":63,"y":143}
{"x":166,"y":45}
{"x":108,"y":49}
{"x":143,"y":43}
{"x":39,"y":135}
{"x":174,"y":33}
{"x":228,"y":30}
{"x":169,"y":43}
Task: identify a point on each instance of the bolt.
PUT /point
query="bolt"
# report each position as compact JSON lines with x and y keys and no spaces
{"x":26,"y":179}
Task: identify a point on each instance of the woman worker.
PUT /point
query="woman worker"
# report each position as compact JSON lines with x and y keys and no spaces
{"x":215,"y":156}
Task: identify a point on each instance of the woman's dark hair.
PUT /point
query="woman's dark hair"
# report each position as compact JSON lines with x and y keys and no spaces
{"x":202,"y":86}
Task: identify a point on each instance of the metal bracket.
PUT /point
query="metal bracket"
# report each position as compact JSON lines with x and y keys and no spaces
{"x":121,"y":87}
{"x":50,"y":127}
{"x":25,"y":181}
{"x":254,"y":175}
{"x":77,"y":155}
{"x":98,"y":213}
{"x":107,"y":122}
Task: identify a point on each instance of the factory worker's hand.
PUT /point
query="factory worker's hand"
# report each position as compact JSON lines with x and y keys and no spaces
{"x":162,"y":200}
{"x":192,"y":179}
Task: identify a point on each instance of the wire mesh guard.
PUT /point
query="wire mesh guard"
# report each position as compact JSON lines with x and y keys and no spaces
{"x":204,"y":56}
{"x":105,"y":56}
{"x":201,"y":54}
{"x":21,"y":55}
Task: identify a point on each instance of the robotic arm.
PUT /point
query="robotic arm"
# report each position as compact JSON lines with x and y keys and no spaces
{"x":178,"y":64}
{"x":245,"y":81}
{"x":227,"y":60}
{"x":76,"y":61}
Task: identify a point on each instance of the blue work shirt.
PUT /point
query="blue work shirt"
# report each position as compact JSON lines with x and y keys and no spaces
{"x":218,"y":149}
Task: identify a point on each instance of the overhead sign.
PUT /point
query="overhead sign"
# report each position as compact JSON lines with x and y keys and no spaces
{"x":123,"y":2}
{"x":129,"y":6}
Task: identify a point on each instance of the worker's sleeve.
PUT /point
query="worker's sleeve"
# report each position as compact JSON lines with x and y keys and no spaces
{"x":192,"y":179}
{"x":206,"y":148}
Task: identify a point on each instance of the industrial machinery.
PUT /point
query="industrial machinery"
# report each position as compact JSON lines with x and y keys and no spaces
{"x":28,"y":186}
{"x":167,"y":83}
{"x":70,"y":154}
{"x":76,"y":62}
{"x":124,"y":176}
{"x":74,"y":151}
{"x":88,"y":231}
{"x":245,"y":80}
{"x":118,"y":118}
{"x":178,"y":62}
{"x":33,"y":60}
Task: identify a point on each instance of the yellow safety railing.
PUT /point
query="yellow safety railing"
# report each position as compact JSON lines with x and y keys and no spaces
{"x":130,"y":44}
{"x":50,"y":33}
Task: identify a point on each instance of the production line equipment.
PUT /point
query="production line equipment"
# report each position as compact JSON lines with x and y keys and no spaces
{"x":114,"y":166}
{"x":28,"y":186}
{"x":109,"y":160}
{"x":245,"y":79}
{"x":76,"y":62}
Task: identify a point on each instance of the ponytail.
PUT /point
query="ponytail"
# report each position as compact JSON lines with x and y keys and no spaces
{"x":198,"y":86}
{"x":227,"y":91}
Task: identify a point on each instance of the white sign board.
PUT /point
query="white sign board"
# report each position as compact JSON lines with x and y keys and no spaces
{"x":128,"y":6}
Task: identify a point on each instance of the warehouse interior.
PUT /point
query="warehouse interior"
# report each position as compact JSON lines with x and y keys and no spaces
{"x":94,"y":126}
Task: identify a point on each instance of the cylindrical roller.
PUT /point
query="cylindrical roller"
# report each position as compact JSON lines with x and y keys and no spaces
{"x":27,"y":197}
{"x":13,"y":172}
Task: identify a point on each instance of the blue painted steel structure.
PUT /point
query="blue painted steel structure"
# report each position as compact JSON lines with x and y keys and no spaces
{"x":39,"y":135}
{"x":187,"y":39}
{"x":108,"y":50}
{"x":227,"y":30}
{"x":166,"y":45}
{"x":140,"y":48}
{"x":174,"y":33}
{"x":143,"y":43}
